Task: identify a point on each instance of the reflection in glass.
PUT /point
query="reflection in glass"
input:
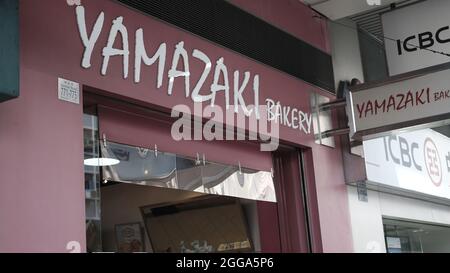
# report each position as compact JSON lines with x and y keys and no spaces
{"x":147,"y":167}
{"x":140,"y":166}
{"x":244,"y":183}
{"x":92,"y":185}
{"x":404,"y":236}
{"x":189,"y":174}
{"x":199,"y":226}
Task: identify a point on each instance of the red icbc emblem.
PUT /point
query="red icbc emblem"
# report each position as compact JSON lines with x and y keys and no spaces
{"x":432,"y":161}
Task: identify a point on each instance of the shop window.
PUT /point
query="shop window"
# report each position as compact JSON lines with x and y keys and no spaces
{"x":147,"y":176}
{"x":403,"y":236}
{"x":199,"y":226}
{"x":146,"y":200}
{"x":155,"y":168}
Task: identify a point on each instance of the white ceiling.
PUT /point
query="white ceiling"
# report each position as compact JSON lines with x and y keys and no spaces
{"x":367,"y":18}
{"x":337,"y":9}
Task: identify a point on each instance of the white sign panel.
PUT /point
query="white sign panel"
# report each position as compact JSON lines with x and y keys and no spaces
{"x":413,"y":32}
{"x":417,"y":161}
{"x":68,"y":91}
{"x":399,"y":102}
{"x":394,"y":242}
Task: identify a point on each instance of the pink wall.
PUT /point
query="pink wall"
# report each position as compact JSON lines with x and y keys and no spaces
{"x":41,"y":176}
{"x":332,"y":199}
{"x":41,"y":172}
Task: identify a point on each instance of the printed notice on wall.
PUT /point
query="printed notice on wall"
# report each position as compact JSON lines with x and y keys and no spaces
{"x":68,"y":91}
{"x":394,"y":242}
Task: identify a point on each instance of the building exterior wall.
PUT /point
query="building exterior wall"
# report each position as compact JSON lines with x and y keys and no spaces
{"x":367,"y":217}
{"x":41,"y":173}
{"x":42,"y":181}
{"x":345,"y":51}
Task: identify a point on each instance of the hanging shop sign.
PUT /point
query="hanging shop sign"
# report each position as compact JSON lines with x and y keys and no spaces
{"x":417,"y":36}
{"x":9,"y":49}
{"x":417,"y":161}
{"x":233,"y":86}
{"x":407,"y":102}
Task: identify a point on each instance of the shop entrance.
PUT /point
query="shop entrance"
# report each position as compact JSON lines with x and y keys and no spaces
{"x":144,"y":200}
{"x":195,"y":197}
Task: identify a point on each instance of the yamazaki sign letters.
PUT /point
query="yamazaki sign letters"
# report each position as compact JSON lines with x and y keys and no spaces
{"x":233,"y":85}
{"x":405,"y":103}
{"x":395,"y":102}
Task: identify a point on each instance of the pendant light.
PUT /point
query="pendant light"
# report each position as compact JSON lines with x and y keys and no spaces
{"x":101,"y":161}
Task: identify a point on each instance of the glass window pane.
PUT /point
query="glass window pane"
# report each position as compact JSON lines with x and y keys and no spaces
{"x":189,"y":174}
{"x":145,"y":167}
{"x":238,"y":182}
{"x":202,"y":226}
{"x":404,"y":236}
{"x":92,"y":185}
{"x":140,"y":166}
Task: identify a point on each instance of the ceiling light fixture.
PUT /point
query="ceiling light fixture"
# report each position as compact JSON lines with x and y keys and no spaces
{"x":101,"y":162}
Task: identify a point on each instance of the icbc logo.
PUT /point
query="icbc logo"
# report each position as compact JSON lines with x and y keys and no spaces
{"x":432,"y":162}
{"x":408,"y":155}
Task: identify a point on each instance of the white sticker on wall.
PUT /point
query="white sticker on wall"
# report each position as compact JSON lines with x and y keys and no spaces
{"x":68,"y":91}
{"x":73,"y":247}
{"x":394,"y":242}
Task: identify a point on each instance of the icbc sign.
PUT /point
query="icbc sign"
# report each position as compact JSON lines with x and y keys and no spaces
{"x":423,"y":40}
{"x":417,"y":36}
{"x":418,"y":161}
{"x":408,"y":153}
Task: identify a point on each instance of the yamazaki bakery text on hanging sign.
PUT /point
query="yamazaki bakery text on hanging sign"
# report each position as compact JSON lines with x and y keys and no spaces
{"x":232,"y":85}
{"x":405,"y":103}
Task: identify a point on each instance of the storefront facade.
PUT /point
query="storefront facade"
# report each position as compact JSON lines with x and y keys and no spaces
{"x":77,"y":55}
